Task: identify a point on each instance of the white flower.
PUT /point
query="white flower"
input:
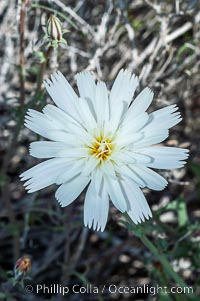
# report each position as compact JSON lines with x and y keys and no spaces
{"x":104,"y":140}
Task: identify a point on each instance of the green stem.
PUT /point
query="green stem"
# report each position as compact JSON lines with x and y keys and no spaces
{"x":35,"y":5}
{"x":166,"y":264}
{"x":139,"y":232}
{"x":42,"y":71}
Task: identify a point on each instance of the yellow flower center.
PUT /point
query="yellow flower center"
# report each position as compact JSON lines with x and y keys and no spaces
{"x":102,"y":148}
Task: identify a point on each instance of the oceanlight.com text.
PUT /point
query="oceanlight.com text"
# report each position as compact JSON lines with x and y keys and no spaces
{"x":109,"y":289}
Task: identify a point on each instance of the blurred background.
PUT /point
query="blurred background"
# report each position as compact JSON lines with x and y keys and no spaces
{"x":160,"y":42}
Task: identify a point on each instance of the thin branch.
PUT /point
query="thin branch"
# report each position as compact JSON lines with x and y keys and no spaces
{"x":85,"y":27}
{"x":21,"y":52}
{"x":178,"y":32}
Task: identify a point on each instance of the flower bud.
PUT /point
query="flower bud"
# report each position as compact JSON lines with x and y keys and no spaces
{"x":22,"y":267}
{"x":54,"y":29}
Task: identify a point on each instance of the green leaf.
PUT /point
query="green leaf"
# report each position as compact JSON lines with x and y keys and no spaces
{"x":182,"y":213}
{"x":179,"y":206}
{"x":196,"y":170}
{"x":81,"y":277}
{"x":184,"y":49}
{"x":2,"y":296}
{"x":137,"y":24}
{"x":40,"y":55}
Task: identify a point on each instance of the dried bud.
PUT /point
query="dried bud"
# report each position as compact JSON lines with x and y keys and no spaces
{"x":54,"y":29}
{"x":22,"y":267}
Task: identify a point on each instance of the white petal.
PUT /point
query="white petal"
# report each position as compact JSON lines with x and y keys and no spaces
{"x":125,"y":140}
{"x":117,"y":116}
{"x":63,"y":120}
{"x":74,"y":153}
{"x":44,"y":174}
{"x":49,"y":149}
{"x":69,"y":191}
{"x":34,"y":171}
{"x":56,"y":116}
{"x":46,"y":149}
{"x":128,"y":171}
{"x":131,"y":157}
{"x":96,"y":208}
{"x":115,"y":192}
{"x":87,"y":115}
{"x":141,"y":103}
{"x":108,"y":169}
{"x":167,"y":164}
{"x":102,"y":103}
{"x":138,"y":204}
{"x":165,"y":118}
{"x":62,"y":136}
{"x":123,"y":88}
{"x":150,"y":177}
{"x":38,"y":123}
{"x":89,"y":166}
{"x":97,"y":176}
{"x":166,"y":157}
{"x":131,"y":125}
{"x":72,"y":171}
{"x":62,"y":94}
{"x":141,"y":139}
{"x":121,"y":95}
{"x":86,"y":85}
{"x":54,"y":120}
{"x":150,"y":138}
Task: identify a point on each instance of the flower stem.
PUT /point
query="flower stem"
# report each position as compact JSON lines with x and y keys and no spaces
{"x":139,"y":232}
{"x":162,"y":258}
{"x":42,"y":71}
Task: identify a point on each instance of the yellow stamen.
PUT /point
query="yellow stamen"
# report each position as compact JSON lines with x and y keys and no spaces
{"x":102,"y":148}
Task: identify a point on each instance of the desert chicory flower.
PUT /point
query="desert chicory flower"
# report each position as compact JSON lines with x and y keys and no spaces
{"x":104,"y":140}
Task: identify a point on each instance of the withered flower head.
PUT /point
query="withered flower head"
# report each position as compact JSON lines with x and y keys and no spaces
{"x":22,"y":267}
